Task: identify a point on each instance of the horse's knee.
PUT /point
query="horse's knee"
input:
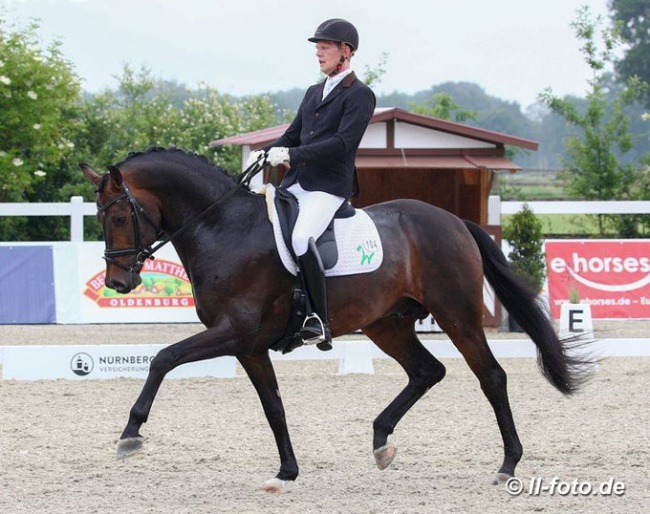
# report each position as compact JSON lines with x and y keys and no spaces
{"x":428,"y":375}
{"x":162,"y":363}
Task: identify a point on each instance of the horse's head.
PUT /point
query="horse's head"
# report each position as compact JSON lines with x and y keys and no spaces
{"x":131,"y":225}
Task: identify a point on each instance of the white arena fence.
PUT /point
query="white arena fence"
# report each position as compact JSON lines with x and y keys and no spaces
{"x":79,"y":266}
{"x":77,"y":209}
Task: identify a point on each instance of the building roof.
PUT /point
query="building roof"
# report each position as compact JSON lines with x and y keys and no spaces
{"x":393,"y":115}
{"x":255,"y":138}
{"x":396,"y":138}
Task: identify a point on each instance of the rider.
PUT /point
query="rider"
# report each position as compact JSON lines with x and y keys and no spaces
{"x":319,"y":148}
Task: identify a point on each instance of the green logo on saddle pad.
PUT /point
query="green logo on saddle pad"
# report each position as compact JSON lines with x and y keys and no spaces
{"x":367,"y":250}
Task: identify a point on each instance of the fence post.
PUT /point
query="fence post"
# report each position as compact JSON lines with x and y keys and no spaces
{"x":76,"y":219}
{"x":494,"y":210}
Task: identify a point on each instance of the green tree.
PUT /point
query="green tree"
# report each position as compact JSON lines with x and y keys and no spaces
{"x":374,"y":74}
{"x":593,"y":165}
{"x":632,"y":18}
{"x":143,"y":112}
{"x":39,"y":100}
{"x":39,"y":94}
{"x":441,"y":105}
{"x":526,"y":239}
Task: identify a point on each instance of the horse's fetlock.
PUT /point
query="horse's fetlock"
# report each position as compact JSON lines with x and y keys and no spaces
{"x":137,"y":417}
{"x":288,"y":473}
{"x":382,"y":427}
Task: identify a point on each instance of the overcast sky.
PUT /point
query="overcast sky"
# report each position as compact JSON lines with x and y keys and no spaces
{"x":512,"y":48}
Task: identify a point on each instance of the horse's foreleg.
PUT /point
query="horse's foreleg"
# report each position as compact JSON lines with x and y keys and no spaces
{"x":261,"y":373}
{"x":397,"y":338}
{"x":205,"y":345}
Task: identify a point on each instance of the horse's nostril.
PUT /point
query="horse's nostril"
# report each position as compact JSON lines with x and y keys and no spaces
{"x":119,"y":286}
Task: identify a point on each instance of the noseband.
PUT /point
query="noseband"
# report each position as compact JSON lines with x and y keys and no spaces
{"x":141,"y":251}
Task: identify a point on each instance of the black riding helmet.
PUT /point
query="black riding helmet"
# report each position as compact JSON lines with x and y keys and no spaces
{"x":339,"y":30}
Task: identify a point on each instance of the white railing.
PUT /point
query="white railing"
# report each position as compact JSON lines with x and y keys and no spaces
{"x":77,"y":209}
{"x":497,"y":208}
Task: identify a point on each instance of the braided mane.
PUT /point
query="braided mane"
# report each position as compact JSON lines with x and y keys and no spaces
{"x":177,"y":152}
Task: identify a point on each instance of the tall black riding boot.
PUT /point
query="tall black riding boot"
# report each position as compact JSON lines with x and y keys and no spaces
{"x":315,"y":329}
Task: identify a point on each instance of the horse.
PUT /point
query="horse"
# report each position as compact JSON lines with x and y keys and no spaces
{"x":434,"y":263}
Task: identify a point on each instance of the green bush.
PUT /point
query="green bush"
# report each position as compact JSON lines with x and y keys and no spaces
{"x":525,"y":236}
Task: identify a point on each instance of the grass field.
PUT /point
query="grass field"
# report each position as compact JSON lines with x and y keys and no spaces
{"x":543,"y":185}
{"x":565,"y":224}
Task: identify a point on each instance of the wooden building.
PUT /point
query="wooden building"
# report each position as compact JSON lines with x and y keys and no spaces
{"x":406,"y":155}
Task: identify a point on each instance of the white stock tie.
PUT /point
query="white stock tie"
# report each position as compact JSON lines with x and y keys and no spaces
{"x":329,"y":85}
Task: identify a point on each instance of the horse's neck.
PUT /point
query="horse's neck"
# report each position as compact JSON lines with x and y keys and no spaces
{"x":184,"y":202}
{"x":203,"y":211}
{"x":230,"y":219}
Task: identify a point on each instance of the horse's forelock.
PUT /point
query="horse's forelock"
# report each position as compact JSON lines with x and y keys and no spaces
{"x":102,"y":183}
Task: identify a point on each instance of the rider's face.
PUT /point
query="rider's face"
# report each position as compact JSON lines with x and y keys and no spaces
{"x":329,"y":56}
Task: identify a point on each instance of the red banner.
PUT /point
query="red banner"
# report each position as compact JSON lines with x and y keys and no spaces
{"x":613,"y":276}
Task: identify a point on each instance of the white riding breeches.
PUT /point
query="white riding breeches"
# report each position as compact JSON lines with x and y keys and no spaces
{"x":316,"y":210}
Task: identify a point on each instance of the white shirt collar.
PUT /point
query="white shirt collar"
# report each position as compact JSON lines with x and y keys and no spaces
{"x":332,"y":82}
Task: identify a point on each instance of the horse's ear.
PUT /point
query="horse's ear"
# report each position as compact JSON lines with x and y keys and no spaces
{"x":92,"y":176}
{"x":116,"y":175}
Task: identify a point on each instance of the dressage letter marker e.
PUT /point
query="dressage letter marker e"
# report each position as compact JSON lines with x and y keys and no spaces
{"x":575,"y":318}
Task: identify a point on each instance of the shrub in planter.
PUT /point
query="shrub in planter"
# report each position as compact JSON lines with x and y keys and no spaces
{"x":526,"y":239}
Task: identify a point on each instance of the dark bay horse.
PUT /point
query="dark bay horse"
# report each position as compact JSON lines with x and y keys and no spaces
{"x":433,"y":263}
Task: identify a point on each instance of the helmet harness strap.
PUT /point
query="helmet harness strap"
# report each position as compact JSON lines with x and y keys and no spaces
{"x":341,"y":60}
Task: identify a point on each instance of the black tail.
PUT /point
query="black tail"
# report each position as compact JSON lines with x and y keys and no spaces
{"x":566,"y":372}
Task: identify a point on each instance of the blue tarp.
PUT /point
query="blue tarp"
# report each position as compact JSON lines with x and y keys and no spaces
{"x":27,"y":285}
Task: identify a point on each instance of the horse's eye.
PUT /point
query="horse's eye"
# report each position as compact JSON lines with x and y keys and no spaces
{"x":119,"y":221}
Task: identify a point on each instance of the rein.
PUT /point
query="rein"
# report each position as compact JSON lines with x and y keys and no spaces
{"x":144,"y":252}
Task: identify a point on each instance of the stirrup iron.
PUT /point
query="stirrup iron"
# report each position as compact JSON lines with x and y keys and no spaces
{"x":309,"y":335}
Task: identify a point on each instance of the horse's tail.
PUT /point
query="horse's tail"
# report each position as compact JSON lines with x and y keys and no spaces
{"x":566,"y":372}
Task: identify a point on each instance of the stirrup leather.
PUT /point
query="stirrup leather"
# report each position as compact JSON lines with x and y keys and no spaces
{"x":310,"y":335}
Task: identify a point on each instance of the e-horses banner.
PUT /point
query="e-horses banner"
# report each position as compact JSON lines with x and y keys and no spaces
{"x":613,"y":276}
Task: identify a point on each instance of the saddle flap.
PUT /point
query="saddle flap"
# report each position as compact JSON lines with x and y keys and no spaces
{"x":287,"y":208}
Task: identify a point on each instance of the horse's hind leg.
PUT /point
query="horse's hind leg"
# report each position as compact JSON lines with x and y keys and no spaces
{"x":470,"y":341}
{"x":397,"y":338}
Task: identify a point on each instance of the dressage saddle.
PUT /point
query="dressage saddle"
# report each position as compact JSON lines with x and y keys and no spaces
{"x":286,"y":205}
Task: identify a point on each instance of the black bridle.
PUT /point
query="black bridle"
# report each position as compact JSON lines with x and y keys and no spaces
{"x":145,"y":251}
{"x":140,"y":250}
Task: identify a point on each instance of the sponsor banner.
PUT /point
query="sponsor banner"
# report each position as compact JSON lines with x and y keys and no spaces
{"x":27,"y":285}
{"x":87,"y":362}
{"x":165,"y":294}
{"x":612,"y":276}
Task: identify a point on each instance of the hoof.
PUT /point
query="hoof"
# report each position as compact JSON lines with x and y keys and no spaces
{"x":384,"y":456}
{"x":274,"y":486}
{"x":500,"y":478}
{"x":129,"y":446}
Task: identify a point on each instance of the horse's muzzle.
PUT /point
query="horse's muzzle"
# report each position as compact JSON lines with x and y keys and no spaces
{"x":124,"y":284}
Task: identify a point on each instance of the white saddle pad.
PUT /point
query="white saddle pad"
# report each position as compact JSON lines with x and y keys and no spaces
{"x":359,"y":246}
